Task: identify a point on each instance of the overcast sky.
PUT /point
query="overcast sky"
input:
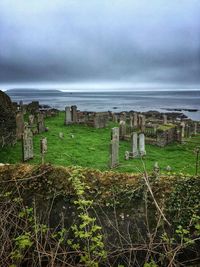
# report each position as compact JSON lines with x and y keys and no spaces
{"x":100,"y":43}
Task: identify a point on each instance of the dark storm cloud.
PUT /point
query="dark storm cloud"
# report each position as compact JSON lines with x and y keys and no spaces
{"x":140,"y":42}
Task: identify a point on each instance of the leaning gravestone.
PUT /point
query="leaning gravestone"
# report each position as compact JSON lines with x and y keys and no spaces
{"x":19,"y":125}
{"x":27,"y":144}
{"x":142,"y":145}
{"x":114,"y":148}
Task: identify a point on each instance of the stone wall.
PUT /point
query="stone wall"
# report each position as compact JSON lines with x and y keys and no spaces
{"x":7,"y":121}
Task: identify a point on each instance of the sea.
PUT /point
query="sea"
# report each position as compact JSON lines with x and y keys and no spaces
{"x":185,"y":101}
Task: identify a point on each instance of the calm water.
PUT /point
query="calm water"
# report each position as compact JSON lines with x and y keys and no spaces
{"x":122,"y":101}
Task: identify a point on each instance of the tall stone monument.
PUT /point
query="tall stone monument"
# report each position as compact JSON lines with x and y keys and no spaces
{"x":27,"y":144}
{"x":142,"y":145}
{"x":134,"y":145}
{"x":114,"y":148}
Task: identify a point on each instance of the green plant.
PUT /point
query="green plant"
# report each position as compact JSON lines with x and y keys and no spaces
{"x":88,"y":238}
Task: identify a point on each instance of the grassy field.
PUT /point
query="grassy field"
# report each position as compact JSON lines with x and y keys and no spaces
{"x":90,"y":148}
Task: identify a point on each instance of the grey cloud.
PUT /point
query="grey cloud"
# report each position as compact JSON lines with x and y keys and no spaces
{"x":143,"y":41}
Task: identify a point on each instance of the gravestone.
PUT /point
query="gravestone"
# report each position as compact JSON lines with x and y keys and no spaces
{"x":122,"y":116}
{"x":134,"y":145}
{"x":164,"y":119}
{"x":74,"y":114}
{"x":33,"y":107}
{"x":122,"y":130}
{"x":182,"y":129}
{"x":114,"y":148}
{"x":27,"y":144}
{"x":43,"y":147}
{"x":142,"y":122}
{"x":142,"y":145}
{"x":188,"y":131}
{"x":68,"y":116}
{"x":40,"y":123}
{"x":31,"y":120}
{"x":135,"y":120}
{"x":131,"y":121}
{"x":115,"y":118}
{"x":195,"y":128}
{"x":21,"y":106}
{"x":19,"y":125}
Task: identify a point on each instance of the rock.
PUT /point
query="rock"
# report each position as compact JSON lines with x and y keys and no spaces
{"x":7,"y":121}
{"x":168,"y":168}
{"x":126,"y":156}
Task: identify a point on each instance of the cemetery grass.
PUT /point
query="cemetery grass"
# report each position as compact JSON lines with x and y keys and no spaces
{"x":89,"y":147}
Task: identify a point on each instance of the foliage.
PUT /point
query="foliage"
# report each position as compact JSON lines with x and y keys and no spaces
{"x":87,"y":234}
{"x":79,"y":216}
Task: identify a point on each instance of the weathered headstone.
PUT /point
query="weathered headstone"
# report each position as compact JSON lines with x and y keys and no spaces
{"x":21,"y":106}
{"x":122,"y":130}
{"x":195,"y":128}
{"x":122,"y":116}
{"x":142,"y":122}
{"x":142,"y":144}
{"x":135,"y":120}
{"x":164,"y":119}
{"x":31,"y":120}
{"x":114,"y":148}
{"x":134,"y":145}
{"x":68,"y":116}
{"x":131,"y":121}
{"x":182,"y":129}
{"x":40,"y":123}
{"x":43,"y":148}
{"x":74,"y":114}
{"x":27,"y":144}
{"x":19,"y":125}
{"x":188,"y":130}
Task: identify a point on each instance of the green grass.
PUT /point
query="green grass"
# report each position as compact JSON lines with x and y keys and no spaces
{"x":90,"y":148}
